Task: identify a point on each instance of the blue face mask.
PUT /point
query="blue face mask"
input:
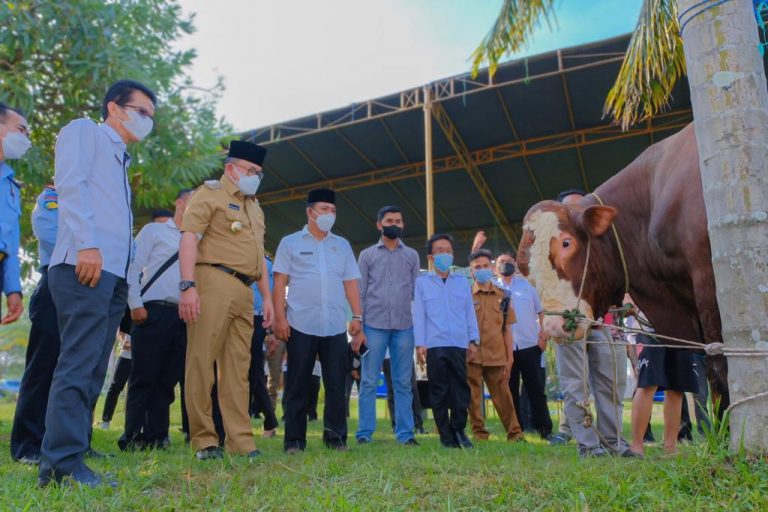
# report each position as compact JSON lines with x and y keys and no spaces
{"x":483,"y":275}
{"x":443,"y":262}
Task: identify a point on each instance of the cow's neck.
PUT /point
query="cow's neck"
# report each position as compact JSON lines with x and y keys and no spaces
{"x":629,"y":193}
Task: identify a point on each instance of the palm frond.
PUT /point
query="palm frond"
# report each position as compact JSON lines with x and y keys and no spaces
{"x":514,"y":26}
{"x":653,"y":64}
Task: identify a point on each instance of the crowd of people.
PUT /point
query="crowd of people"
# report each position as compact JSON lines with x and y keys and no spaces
{"x":199,"y":304}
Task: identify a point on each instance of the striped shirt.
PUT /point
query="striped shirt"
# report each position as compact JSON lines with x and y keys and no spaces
{"x":386,"y":285}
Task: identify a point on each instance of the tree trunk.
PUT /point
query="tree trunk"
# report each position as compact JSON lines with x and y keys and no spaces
{"x":730,"y":107}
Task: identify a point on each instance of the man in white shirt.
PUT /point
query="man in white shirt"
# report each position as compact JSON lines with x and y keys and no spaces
{"x":159,"y":337}
{"x":89,"y":264}
{"x":322,"y":275}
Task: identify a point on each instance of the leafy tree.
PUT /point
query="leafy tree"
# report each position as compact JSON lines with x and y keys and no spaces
{"x":57,"y":60}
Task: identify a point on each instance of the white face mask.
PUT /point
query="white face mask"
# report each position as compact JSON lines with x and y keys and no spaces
{"x":248,"y":185}
{"x":325,"y":221}
{"x":15,"y":144}
{"x":138,"y":125}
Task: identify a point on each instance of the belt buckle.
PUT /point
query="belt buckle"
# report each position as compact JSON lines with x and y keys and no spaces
{"x":3,"y":256}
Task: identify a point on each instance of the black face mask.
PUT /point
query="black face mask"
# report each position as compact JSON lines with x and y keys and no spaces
{"x":392,"y":232}
{"x":508,"y":269}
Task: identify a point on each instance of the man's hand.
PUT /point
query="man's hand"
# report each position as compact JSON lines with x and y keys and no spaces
{"x":88,"y":268}
{"x":354,"y":328}
{"x":479,"y":241}
{"x":542,"y":341}
{"x":272,"y":344}
{"x":189,"y":305}
{"x":421,"y":355}
{"x":282,"y":330}
{"x":15,"y":308}
{"x":505,"y":373}
{"x":139,"y":315}
{"x":126,"y":344}
{"x":471,"y":352}
{"x":268,"y":313}
{"x":357,"y":342}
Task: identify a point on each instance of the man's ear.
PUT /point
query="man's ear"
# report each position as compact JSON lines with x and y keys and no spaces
{"x":596,"y":220}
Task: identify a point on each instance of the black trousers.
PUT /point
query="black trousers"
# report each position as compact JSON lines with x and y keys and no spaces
{"x":418,"y":421}
{"x":259,"y":401}
{"x":159,"y":348}
{"x":42,"y":354}
{"x":312,"y":400}
{"x":449,"y":393}
{"x":119,"y":379}
{"x":303,"y":349}
{"x":527,"y":366}
{"x":524,"y":414}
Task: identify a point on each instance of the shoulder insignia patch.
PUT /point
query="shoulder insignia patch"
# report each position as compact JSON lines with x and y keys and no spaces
{"x":51,"y":204}
{"x":212,"y":184}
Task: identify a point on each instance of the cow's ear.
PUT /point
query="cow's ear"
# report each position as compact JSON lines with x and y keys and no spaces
{"x":596,"y":220}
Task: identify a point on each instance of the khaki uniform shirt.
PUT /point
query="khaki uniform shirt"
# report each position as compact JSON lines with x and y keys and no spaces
{"x":231,"y":225}
{"x":492,"y":350}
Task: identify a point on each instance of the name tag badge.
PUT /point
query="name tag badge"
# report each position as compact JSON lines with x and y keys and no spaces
{"x":233,"y":206}
{"x":306,"y":253}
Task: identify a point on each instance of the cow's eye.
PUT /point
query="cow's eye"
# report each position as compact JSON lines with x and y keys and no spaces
{"x":566,"y":243}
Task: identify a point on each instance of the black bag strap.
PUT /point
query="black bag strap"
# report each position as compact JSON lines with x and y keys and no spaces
{"x":159,"y":272}
{"x":505,"y":311}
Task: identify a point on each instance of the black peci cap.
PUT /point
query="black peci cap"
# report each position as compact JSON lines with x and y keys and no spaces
{"x":247,"y":151}
{"x":321,"y":195}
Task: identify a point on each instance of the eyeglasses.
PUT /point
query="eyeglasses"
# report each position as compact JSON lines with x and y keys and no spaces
{"x":141,"y":110}
{"x":252,"y":171}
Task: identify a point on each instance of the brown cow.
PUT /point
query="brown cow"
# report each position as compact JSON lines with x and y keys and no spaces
{"x":657,"y":206}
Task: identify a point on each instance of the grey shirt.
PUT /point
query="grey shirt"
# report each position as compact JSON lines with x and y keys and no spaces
{"x":386,"y":285}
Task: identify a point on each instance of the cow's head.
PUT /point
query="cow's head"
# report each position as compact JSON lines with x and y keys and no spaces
{"x":552,"y":255}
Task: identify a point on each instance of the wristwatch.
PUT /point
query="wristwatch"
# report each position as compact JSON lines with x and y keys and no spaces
{"x":186,"y":285}
{"x":474,"y":342}
{"x":357,"y":317}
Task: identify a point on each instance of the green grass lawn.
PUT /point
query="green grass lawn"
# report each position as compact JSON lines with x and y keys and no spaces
{"x":496,"y":475}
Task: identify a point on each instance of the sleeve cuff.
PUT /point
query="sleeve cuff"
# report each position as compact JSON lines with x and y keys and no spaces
{"x":88,"y":241}
{"x":135,"y":302}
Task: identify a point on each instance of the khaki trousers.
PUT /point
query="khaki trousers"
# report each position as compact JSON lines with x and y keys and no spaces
{"x":500,"y":395}
{"x":222,"y":334}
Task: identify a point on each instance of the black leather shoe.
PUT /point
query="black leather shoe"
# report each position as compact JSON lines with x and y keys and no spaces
{"x":462,"y":440}
{"x":212,"y":452}
{"x":255,"y":454}
{"x":420,"y":430}
{"x":449,"y":444}
{"x":83,"y":478}
{"x":363,"y":440}
{"x":411,"y":442}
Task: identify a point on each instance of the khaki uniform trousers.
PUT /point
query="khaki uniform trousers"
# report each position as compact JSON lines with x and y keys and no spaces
{"x":500,"y":395}
{"x":222,"y":334}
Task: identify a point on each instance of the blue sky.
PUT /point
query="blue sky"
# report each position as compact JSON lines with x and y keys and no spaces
{"x":289,"y":58}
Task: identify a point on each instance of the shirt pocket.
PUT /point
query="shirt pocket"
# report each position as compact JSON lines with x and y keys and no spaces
{"x":233,"y":216}
{"x":458,"y":302}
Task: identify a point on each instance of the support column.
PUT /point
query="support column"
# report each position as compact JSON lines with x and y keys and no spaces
{"x":430,"y":199}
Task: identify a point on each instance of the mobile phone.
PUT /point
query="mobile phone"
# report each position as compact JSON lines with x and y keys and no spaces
{"x":363,"y":350}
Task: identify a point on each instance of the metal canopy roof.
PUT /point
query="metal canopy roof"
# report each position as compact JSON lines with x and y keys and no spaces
{"x":498,"y":147}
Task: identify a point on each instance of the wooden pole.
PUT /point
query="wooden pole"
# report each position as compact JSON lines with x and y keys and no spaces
{"x":430,"y":199}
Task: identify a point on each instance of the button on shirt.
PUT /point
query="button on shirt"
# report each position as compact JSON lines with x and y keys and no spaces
{"x":386,"y":285}
{"x":443,"y":314}
{"x":94,"y":196}
{"x":45,"y":223}
{"x":527,"y":304}
{"x":10,"y":211}
{"x":487,"y":303}
{"x":155,"y":244}
{"x":258,"y":302}
{"x":316,"y":271}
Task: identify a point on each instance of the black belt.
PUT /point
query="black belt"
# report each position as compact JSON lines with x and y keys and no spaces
{"x":163,"y":303}
{"x":246,"y":280}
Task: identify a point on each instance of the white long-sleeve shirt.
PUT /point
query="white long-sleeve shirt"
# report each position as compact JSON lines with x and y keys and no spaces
{"x":155,"y":244}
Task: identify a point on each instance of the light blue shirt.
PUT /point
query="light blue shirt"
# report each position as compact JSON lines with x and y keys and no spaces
{"x":45,"y":223}
{"x":10,"y":233}
{"x":443,"y":312}
{"x":94,"y":196}
{"x":257,"y":300}
{"x":527,"y":304}
{"x":316,"y":271}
